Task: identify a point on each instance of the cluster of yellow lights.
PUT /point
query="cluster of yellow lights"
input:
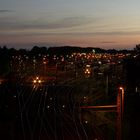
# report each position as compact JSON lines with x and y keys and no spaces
{"x":37,"y":80}
{"x":87,"y":71}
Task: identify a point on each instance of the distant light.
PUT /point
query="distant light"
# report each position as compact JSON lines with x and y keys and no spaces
{"x":100,"y":73}
{"x":34,"y":81}
{"x":86,"y":122}
{"x":14,"y":96}
{"x":135,"y":56}
{"x":39,"y":81}
{"x":136,"y":89}
{"x":63,"y":106}
{"x":121,"y":88}
{"x":88,"y":66}
{"x":100,"y":62}
{"x":37,"y":78}
{"x":93,"y":51}
{"x":48,"y":106}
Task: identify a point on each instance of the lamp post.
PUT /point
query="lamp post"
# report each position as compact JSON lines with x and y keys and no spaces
{"x":120,"y":111}
{"x":122,"y":99}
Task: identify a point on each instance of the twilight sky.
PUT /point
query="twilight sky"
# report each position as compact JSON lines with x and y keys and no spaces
{"x":91,"y":23}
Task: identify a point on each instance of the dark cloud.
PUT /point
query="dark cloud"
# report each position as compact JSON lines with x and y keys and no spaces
{"x":115,"y":33}
{"x":5,"y":11}
{"x":108,"y":42}
{"x":38,"y":33}
{"x":69,"y":22}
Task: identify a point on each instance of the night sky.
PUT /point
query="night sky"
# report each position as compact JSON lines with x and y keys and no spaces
{"x":91,"y":23}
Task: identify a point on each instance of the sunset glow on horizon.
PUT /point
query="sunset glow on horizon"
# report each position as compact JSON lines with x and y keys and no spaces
{"x":90,"y":23}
